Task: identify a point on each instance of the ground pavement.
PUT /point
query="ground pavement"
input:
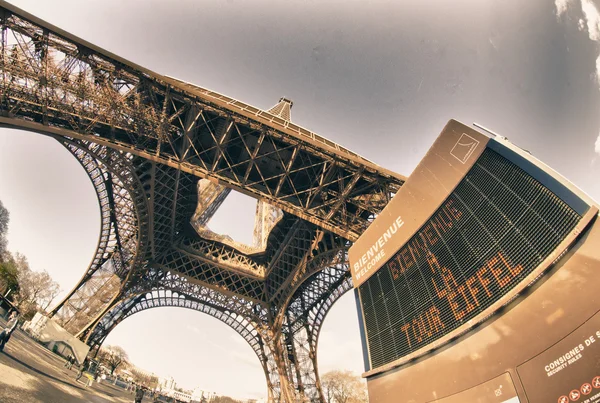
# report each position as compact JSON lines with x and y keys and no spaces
{"x":29,"y":373}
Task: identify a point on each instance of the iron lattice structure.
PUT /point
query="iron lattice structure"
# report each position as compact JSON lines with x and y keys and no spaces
{"x":162,"y":155}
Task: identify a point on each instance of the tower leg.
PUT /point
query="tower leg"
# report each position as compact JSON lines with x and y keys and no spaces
{"x":281,"y":387}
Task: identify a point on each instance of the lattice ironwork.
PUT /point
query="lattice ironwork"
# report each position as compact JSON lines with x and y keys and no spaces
{"x":57,"y":83}
{"x":291,"y":350}
{"x":162,"y":155}
{"x":123,"y":235}
{"x":325,"y":280}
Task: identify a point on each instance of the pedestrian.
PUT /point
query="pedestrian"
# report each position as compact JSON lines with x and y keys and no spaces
{"x":82,"y":369}
{"x":139,"y":395}
{"x":68,"y":362}
{"x":11,"y":325}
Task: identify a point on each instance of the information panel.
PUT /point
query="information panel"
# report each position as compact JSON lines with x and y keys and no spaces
{"x":567,"y":372}
{"x":493,"y":230}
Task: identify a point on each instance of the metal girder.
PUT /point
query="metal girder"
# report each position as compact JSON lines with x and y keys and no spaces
{"x":332,"y":252}
{"x":206,"y":272}
{"x":53,"y":82}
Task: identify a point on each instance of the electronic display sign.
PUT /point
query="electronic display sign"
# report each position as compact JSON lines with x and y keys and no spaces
{"x":478,"y":281}
{"x":495,"y":227}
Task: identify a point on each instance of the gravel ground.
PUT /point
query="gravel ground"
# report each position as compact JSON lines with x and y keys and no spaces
{"x":32,"y":374}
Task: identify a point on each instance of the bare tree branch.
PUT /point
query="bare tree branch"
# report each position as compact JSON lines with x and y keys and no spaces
{"x":343,"y":387}
{"x":113,"y":356}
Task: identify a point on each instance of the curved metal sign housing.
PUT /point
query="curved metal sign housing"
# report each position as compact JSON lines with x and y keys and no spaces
{"x":455,"y":254}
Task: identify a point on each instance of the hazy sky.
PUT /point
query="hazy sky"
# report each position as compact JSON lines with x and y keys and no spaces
{"x":379,"y":77}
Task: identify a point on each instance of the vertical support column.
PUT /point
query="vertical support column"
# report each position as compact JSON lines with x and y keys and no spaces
{"x":287,"y":392}
{"x":297,"y":358}
{"x":312,"y":345}
{"x":304,"y":315}
{"x":301,"y":343}
{"x":293,"y":358}
{"x":123,"y":238}
{"x":291,"y":353}
{"x":270,"y":369}
{"x":277,"y":369}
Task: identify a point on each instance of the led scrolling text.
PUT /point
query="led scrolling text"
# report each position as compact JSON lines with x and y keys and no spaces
{"x":462,"y":296}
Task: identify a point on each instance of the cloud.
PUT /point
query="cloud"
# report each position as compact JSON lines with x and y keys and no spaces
{"x":561,"y":6}
{"x":590,"y":24}
{"x":592,"y":17}
{"x":598,"y":70}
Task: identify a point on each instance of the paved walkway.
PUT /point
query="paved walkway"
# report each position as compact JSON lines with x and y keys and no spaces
{"x":30,"y":373}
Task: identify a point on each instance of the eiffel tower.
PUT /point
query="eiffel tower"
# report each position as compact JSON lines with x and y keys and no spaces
{"x":162,"y":155}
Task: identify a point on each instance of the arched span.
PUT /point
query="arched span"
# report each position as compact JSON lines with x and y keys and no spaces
{"x":247,"y":318}
{"x":172,"y":289}
{"x":166,"y":298}
{"x":326,"y":279}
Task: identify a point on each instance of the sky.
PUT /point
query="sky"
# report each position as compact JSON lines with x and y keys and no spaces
{"x":379,"y":77}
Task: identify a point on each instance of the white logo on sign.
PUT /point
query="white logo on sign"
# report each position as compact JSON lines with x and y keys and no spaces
{"x":464,"y":147}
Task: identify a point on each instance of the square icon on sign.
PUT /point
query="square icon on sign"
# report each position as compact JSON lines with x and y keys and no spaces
{"x":464,"y":147}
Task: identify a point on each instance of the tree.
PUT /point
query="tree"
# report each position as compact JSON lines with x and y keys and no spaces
{"x":9,"y":278}
{"x":4,"y":219}
{"x":329,"y":383}
{"x":30,"y":290}
{"x":112,"y":357}
{"x":36,"y":289}
{"x":343,"y":387}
